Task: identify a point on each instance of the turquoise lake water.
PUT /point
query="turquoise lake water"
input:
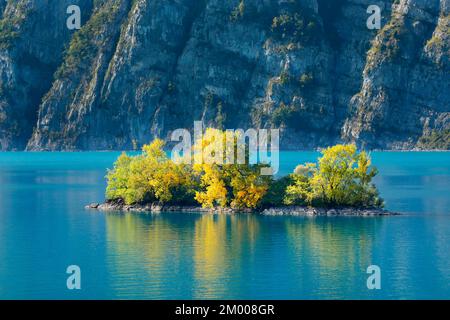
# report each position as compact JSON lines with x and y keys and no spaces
{"x":44,"y":228}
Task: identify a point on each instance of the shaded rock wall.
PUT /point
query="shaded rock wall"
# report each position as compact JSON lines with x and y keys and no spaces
{"x":140,"y":69}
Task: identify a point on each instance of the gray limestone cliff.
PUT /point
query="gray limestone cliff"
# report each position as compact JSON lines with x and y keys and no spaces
{"x":139,"y":69}
{"x":32,"y":38}
{"x":404,"y":99}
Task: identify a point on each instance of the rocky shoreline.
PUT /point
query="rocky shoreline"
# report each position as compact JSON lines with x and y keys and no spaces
{"x":276,"y":211}
{"x":328,"y":212}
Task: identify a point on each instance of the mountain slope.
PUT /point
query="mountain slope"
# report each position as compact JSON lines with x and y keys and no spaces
{"x":142,"y":68}
{"x":405,"y":92}
{"x":32,"y":39}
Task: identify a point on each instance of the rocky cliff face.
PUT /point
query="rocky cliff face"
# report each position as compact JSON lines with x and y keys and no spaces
{"x":404,"y":98}
{"x":32,"y":38}
{"x":140,"y":69}
{"x":2,"y":7}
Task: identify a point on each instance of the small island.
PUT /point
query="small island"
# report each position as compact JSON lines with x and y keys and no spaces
{"x":339,"y":184}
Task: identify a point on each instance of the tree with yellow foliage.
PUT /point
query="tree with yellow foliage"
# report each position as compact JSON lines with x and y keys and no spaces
{"x":214,"y":192}
{"x":223,"y":181}
{"x":343,"y":177}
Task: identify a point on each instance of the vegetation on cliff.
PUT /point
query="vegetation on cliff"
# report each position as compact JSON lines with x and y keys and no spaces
{"x":386,"y":46}
{"x":86,"y":43}
{"x":10,"y":25}
{"x":435,"y":140}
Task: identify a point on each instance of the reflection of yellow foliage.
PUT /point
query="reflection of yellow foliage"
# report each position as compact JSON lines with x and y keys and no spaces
{"x":146,"y":232}
{"x":214,"y":251}
{"x":155,"y":246}
{"x":144,"y":244}
{"x":211,"y":243}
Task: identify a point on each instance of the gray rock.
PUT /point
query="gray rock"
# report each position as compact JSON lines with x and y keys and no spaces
{"x":31,"y":48}
{"x":93,"y":206}
{"x":281,"y":211}
{"x":314,"y":212}
{"x":405,"y":97}
{"x":154,"y":66}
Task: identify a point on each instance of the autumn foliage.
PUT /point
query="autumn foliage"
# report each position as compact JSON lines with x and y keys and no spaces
{"x":153,"y":176}
{"x":342,"y":177}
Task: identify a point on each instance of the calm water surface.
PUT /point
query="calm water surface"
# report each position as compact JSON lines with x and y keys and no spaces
{"x":44,"y":228}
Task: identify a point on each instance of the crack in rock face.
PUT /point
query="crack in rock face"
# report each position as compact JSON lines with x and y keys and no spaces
{"x":141,"y":69}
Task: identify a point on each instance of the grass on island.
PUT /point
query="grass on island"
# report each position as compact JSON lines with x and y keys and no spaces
{"x":342,"y":177}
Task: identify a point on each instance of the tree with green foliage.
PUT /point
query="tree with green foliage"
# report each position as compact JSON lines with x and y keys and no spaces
{"x":276,"y":192}
{"x":343,"y":177}
{"x":150,"y":176}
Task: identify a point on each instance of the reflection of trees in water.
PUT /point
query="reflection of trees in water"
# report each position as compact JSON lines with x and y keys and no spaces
{"x":221,"y":241}
{"x":168,"y":255}
{"x":212,"y":256}
{"x":147,"y":255}
{"x":336,"y":249}
{"x":439,"y":247}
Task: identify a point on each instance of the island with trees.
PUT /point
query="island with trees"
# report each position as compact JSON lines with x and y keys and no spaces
{"x":340,"y":183}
